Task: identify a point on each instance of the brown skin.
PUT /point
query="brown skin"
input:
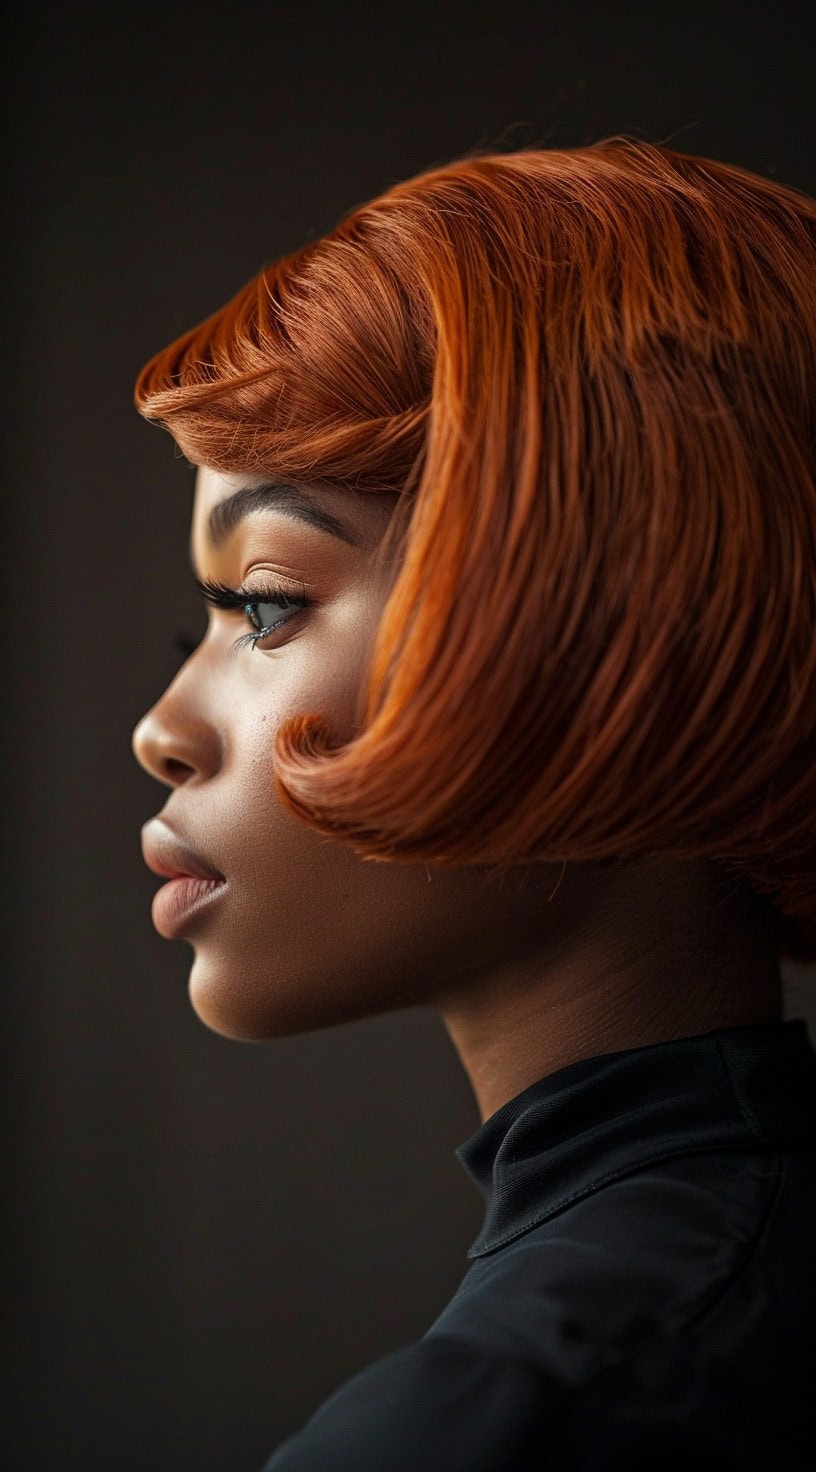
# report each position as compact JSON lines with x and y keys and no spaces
{"x":307,"y":934}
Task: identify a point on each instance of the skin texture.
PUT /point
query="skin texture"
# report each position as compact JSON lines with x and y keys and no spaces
{"x":528,"y":973}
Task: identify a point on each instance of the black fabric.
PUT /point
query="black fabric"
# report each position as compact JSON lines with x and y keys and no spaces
{"x":643,"y":1287}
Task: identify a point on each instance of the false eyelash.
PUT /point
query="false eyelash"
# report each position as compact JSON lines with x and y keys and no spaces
{"x":222,"y":596}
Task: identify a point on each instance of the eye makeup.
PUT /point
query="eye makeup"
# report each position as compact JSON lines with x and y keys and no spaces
{"x":258,"y":605}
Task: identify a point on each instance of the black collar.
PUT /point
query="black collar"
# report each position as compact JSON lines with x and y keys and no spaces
{"x":578,"y":1128}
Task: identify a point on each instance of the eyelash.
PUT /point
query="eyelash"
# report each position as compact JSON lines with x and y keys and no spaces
{"x":218,"y":595}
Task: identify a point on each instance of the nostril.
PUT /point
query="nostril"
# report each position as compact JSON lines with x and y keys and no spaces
{"x":177,"y":771}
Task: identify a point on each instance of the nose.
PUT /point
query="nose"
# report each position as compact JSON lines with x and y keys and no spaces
{"x":173,"y":745}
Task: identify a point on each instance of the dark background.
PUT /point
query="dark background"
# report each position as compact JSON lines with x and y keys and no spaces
{"x":207,"y":1237}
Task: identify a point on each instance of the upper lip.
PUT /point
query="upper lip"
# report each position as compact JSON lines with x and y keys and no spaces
{"x":167,"y":854}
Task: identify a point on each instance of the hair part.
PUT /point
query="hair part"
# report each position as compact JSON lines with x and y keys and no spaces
{"x":590,"y":374}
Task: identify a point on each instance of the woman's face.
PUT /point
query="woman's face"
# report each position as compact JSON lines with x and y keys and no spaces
{"x":303,"y":933}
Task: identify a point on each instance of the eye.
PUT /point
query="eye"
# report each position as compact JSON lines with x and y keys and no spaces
{"x":267,"y":609}
{"x":268,"y":612}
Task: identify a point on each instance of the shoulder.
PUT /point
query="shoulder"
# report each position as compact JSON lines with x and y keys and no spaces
{"x":440,"y":1404}
{"x":617,"y":1271}
{"x":444,"y":1404}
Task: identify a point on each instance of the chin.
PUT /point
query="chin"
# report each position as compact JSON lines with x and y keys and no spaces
{"x":224,"y":1004}
{"x":256,"y":1013}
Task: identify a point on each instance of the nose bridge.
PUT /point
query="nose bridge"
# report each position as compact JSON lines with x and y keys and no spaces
{"x":175,"y":739}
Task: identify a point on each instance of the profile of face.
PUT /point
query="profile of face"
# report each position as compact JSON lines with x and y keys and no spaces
{"x":303,"y":932}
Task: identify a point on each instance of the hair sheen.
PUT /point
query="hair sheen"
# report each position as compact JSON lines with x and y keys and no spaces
{"x":589,"y":373}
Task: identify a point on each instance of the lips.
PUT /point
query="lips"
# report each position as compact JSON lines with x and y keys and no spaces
{"x":168,"y":855}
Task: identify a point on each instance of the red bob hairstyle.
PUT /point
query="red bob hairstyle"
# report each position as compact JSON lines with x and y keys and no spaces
{"x":590,"y":374}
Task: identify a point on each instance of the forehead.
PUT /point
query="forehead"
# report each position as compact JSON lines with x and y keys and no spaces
{"x":211,"y":487}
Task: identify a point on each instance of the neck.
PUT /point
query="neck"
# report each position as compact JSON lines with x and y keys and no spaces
{"x":673,"y":951}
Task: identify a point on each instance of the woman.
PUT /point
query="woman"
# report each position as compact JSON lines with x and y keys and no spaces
{"x":505,"y":513}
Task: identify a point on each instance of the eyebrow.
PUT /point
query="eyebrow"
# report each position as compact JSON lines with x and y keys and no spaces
{"x":288,"y":500}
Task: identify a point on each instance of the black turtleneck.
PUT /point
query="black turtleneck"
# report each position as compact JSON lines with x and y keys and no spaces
{"x":643,"y":1287}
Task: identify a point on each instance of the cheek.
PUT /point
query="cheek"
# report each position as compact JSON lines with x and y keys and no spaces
{"x":320,"y":672}
{"x":279,"y":867}
{"x":328,"y":683}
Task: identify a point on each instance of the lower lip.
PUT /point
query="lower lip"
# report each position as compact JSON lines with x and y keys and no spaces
{"x":181,"y":901}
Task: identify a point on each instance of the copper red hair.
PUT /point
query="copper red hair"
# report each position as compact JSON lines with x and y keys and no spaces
{"x":590,"y":374}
